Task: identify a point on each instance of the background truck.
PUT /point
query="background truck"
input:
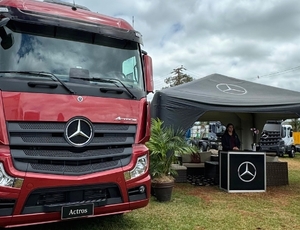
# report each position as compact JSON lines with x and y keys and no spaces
{"x":217,"y":127}
{"x":277,"y":137}
{"x":216,"y":131}
{"x":74,"y":115}
{"x":208,"y":135}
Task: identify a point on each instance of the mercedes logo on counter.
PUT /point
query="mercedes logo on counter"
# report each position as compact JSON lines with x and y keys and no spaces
{"x":247,"y":171}
{"x":231,"y":89}
{"x":79,"y":132}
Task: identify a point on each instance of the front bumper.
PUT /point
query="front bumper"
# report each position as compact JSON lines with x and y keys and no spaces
{"x":42,"y":196}
{"x":277,"y":149}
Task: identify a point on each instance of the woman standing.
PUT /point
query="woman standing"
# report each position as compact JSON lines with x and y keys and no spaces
{"x":230,"y":140}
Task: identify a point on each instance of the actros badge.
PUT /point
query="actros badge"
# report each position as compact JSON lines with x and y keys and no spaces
{"x":79,"y":132}
{"x":247,"y":171}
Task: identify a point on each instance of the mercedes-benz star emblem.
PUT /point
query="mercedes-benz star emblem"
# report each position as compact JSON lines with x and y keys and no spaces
{"x":79,"y":132}
{"x":80,"y":99}
{"x":231,"y":89}
{"x":247,"y":171}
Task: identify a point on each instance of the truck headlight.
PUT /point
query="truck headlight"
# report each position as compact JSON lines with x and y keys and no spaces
{"x":140,"y":168}
{"x":8,"y":181}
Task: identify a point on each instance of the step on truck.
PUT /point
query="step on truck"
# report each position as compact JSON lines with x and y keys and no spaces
{"x":73,"y":113}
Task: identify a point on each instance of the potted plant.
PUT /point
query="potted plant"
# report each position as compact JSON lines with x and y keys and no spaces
{"x":164,"y":145}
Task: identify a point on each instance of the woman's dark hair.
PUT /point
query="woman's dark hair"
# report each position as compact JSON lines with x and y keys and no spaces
{"x":230,"y":124}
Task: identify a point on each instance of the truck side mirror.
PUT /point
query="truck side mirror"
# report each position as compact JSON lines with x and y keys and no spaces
{"x":148,"y":73}
{"x":7,"y":39}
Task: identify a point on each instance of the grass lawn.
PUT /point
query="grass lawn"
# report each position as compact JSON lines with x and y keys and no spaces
{"x":197,"y":208}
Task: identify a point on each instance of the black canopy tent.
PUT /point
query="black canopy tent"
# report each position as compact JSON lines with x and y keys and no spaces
{"x":218,"y":97}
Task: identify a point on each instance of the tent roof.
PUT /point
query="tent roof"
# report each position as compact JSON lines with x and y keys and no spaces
{"x":182,"y":105}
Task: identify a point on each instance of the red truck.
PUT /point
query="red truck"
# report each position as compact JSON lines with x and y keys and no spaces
{"x":74,"y":116}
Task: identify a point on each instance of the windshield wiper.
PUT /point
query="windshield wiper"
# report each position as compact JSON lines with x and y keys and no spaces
{"x":108,"y":80}
{"x":43,"y":74}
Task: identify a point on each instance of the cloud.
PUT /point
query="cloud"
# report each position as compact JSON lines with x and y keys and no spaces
{"x":241,"y":39}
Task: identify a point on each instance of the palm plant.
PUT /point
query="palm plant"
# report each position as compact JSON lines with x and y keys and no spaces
{"x":164,"y":145}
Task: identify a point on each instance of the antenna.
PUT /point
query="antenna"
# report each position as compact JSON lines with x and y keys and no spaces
{"x":133,"y":21}
{"x":74,"y":6}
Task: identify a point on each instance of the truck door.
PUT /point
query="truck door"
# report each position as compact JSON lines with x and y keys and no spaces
{"x":288,"y":139}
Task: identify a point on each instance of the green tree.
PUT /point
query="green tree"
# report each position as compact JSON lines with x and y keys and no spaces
{"x":295,"y":123}
{"x":178,"y":77}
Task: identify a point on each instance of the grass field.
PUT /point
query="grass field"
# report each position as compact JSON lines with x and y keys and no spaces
{"x":197,"y":208}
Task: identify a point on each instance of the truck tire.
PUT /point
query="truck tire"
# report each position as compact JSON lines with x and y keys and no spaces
{"x":292,"y":152}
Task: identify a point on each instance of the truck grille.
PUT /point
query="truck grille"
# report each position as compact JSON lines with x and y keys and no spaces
{"x":51,"y":200}
{"x":272,"y":138}
{"x":42,"y":147}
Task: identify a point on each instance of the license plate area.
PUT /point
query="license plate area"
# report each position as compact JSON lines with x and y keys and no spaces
{"x":75,"y":211}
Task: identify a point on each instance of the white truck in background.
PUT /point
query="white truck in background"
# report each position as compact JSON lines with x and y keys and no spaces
{"x":277,"y":137}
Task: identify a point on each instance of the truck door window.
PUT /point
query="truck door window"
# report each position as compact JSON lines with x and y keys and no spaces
{"x":288,"y":132}
{"x":284,"y":132}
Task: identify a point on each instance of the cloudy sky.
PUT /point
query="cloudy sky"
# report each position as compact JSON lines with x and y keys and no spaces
{"x":254,"y":40}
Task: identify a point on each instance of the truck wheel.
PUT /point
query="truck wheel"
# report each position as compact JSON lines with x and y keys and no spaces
{"x":292,"y":153}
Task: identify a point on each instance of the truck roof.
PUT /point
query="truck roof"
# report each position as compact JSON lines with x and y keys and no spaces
{"x":274,"y":122}
{"x":65,"y":10}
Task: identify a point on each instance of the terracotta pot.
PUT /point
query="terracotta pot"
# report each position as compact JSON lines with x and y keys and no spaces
{"x":163,"y":191}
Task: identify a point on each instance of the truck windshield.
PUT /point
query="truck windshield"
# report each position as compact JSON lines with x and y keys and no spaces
{"x":72,"y":54}
{"x":272,"y":127}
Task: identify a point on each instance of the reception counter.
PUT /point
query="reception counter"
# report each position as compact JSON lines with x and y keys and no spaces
{"x":242,"y":171}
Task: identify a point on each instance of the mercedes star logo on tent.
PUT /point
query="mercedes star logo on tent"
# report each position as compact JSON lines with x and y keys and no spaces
{"x":79,"y":132}
{"x":231,"y":89}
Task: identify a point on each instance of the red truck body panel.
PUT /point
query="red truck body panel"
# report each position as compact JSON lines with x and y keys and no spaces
{"x":64,"y":11}
{"x":29,"y":107}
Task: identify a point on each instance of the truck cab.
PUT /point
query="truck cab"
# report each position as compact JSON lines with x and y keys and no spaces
{"x":277,"y":137}
{"x":74,"y":117}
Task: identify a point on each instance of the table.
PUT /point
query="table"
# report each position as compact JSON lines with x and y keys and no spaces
{"x":242,"y":171}
{"x":181,"y":176}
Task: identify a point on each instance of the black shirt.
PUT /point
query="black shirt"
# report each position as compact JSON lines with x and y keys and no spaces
{"x":230,"y":141}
